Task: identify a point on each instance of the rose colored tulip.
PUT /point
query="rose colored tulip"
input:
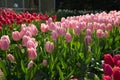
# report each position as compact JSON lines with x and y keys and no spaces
{"x":88,"y":40}
{"x":108,"y":60}
{"x":54,"y":35}
{"x":43,"y":27}
{"x":99,"y":33}
{"x":32,"y":53}
{"x":68,"y":37}
{"x":16,"y":36}
{"x":30,"y":64}
{"x":106,"y":78}
{"x":107,"y":69}
{"x":116,"y":73}
{"x":49,"y":46}
{"x":116,"y":58}
{"x":11,"y":58}
{"x":44,"y":62}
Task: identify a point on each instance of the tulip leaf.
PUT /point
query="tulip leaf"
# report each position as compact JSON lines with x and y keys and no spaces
{"x":60,"y":72}
{"x":23,"y":66}
{"x":2,"y":66}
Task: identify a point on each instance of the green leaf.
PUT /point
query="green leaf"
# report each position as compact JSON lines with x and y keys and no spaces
{"x":23,"y":66}
{"x":2,"y":66}
{"x":60,"y":72}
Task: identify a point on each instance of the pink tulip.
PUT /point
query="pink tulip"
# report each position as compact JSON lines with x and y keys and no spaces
{"x":30,"y":44}
{"x":49,"y":46}
{"x":16,"y":36}
{"x":105,"y":34}
{"x":68,"y":37}
{"x":30,"y":64}
{"x":109,"y":27}
{"x":24,"y":40}
{"x":88,"y":40}
{"x":11,"y":58}
{"x":99,"y":33}
{"x":43,"y":27}
{"x":32,"y":53}
{"x":88,"y":32}
{"x":33,"y":29}
{"x":44,"y":62}
{"x":54,"y":35}
{"x":28,"y":33}
{"x":4,"y":42}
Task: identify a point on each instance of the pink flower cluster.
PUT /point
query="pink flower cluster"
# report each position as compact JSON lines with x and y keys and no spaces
{"x":111,"y":67}
{"x":99,"y":23}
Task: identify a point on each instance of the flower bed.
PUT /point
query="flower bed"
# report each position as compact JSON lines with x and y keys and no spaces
{"x":37,"y":47}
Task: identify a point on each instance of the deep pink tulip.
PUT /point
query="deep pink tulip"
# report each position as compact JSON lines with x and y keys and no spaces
{"x":106,"y":78}
{"x":49,"y":46}
{"x":116,"y":73}
{"x":116,"y":57}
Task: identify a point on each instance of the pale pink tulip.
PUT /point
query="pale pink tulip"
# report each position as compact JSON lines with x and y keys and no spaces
{"x":99,"y":33}
{"x":30,"y":64}
{"x":16,"y":36}
{"x":109,"y":27}
{"x":30,"y":44}
{"x":88,"y":40}
{"x":24,"y":40}
{"x":105,"y":34}
{"x":43,"y":27}
{"x":5,"y":42}
{"x":49,"y":46}
{"x":54,"y":35}
{"x":68,"y":37}
{"x":33,"y":29}
{"x":32,"y":53}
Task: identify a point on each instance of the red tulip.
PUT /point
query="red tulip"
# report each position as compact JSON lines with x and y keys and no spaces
{"x":116,"y":73}
{"x":106,"y":78}
{"x":107,"y":69}
{"x":108,"y":60}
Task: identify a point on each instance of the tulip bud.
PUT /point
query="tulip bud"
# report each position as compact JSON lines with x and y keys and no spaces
{"x":11,"y":58}
{"x":30,"y":64}
{"x":45,"y":62}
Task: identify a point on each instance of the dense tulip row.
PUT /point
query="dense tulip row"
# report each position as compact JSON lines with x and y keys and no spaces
{"x":111,"y":67}
{"x":72,"y":43}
